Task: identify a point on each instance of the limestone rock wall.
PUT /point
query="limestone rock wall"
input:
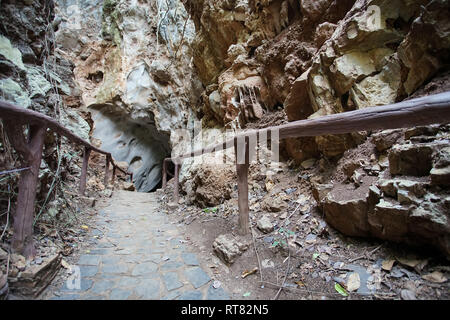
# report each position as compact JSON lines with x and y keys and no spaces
{"x":133,"y":62}
{"x":34,"y":75}
{"x":314,"y":58}
{"x":401,"y":194}
{"x":380,"y":53}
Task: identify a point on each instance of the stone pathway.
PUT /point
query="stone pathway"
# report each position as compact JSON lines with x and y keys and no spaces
{"x":140,"y":256}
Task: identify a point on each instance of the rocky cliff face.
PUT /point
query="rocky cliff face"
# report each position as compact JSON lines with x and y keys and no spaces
{"x":133,"y":65}
{"x":32,"y":75}
{"x":315,"y":58}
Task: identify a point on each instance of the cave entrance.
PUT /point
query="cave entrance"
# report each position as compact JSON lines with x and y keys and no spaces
{"x":138,"y":143}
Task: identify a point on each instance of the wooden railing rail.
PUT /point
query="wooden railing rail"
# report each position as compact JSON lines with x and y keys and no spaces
{"x":433,"y":109}
{"x":30,"y":148}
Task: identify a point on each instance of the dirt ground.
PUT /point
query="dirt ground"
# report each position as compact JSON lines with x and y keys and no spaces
{"x":319,"y":256}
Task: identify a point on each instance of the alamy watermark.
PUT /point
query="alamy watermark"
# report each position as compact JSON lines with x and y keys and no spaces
{"x":73,"y":282}
{"x":258,"y":145}
{"x":374,"y":21}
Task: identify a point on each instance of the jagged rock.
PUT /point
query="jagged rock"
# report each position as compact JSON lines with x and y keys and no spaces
{"x":297,"y":104}
{"x":265,"y":225}
{"x":350,"y":167}
{"x":314,"y":8}
{"x":414,"y":52}
{"x":35,"y":278}
{"x":390,"y":187}
{"x":431,"y":225}
{"x":410,"y":159}
{"x":440,"y":176}
{"x":385,"y":139}
{"x":128,"y":186}
{"x":357,"y":67}
{"x":442,"y":158}
{"x":374,"y":196}
{"x":320,"y":191}
{"x":159,"y":70}
{"x":421,"y":131}
{"x":273,"y":204}
{"x":228,"y":248}
{"x":347,"y":211}
{"x":210,"y":186}
{"x":302,"y":149}
{"x":389,"y":220}
{"x":405,"y":197}
{"x":324,"y":31}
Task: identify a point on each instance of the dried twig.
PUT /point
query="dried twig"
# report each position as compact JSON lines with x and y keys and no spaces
{"x":14,"y":170}
{"x":376,"y":249}
{"x":289,"y":254}
{"x":357,"y":258}
{"x":257,"y":255}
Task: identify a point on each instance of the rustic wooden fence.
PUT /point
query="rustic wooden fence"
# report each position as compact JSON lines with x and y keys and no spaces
{"x":434,"y":109}
{"x":30,"y":149}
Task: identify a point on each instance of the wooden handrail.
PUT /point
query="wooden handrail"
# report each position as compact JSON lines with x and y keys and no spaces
{"x":25,"y":116}
{"x":433,"y":109}
{"x":416,"y":112}
{"x":30,"y":148}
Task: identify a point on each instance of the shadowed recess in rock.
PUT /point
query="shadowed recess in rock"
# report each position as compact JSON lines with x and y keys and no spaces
{"x":139,"y":144}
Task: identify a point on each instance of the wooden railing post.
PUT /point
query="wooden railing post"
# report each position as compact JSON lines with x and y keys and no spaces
{"x":108,"y":160}
{"x":176,"y":182}
{"x":31,"y":152}
{"x":241,"y":149}
{"x":86,"y":154}
{"x":113,"y":175}
{"x":164,"y":174}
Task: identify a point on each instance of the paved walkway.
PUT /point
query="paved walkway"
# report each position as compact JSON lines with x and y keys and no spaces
{"x":140,"y":255}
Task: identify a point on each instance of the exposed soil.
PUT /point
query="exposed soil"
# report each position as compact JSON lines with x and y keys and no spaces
{"x":317,"y":251}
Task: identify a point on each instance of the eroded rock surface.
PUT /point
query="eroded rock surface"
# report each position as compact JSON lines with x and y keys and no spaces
{"x":141,"y":95}
{"x":404,"y":202}
{"x":228,"y":248}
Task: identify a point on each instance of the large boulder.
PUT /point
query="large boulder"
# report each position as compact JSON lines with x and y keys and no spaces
{"x":410,"y":159}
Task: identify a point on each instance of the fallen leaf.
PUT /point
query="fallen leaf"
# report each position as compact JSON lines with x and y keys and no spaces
{"x":408,"y":295}
{"x":436,"y":277}
{"x":387,"y":264}
{"x":85,"y":227}
{"x":409,"y":261}
{"x":341,"y":290}
{"x":353,"y":282}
